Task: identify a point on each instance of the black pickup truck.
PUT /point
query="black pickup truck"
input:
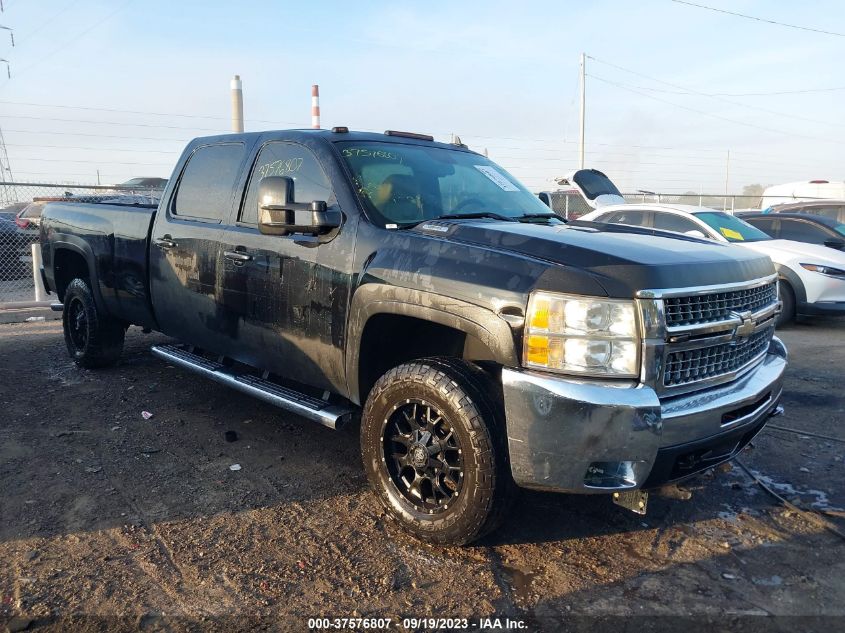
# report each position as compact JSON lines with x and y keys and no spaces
{"x":485,"y":344}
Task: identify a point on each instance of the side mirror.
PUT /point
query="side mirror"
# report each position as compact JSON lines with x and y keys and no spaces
{"x":839,"y":244}
{"x":278,"y":214}
{"x":695,"y":233}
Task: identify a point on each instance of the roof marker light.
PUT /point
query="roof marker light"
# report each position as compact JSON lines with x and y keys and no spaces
{"x":422,"y":137}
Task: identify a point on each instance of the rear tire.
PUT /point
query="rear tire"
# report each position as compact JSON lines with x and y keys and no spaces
{"x":435,"y":450}
{"x":787,"y":296}
{"x":93,"y":339}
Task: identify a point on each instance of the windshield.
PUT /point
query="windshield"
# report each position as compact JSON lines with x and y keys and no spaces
{"x":731,"y":227}
{"x":840,"y":228}
{"x":407,"y":184}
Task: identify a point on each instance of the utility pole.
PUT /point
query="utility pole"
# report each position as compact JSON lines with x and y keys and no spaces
{"x":583,"y":110}
{"x":727,"y":180}
{"x":237,"y":104}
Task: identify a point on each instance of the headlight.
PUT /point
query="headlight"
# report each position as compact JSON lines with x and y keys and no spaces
{"x":580,"y":335}
{"x":824,"y":270}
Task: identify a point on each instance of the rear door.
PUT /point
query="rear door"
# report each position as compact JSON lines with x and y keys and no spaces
{"x":186,"y":247}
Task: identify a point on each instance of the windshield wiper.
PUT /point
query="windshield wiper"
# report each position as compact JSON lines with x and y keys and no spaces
{"x":475,"y":216}
{"x":539,"y":216}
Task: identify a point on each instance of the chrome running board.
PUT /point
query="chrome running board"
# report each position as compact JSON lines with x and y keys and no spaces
{"x":333,"y":416}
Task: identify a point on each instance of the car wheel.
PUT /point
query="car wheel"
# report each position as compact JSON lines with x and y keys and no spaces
{"x":435,"y":450}
{"x":93,"y":339}
{"x":787,"y":297}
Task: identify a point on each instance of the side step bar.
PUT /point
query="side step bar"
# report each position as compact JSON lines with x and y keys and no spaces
{"x":331,"y":415}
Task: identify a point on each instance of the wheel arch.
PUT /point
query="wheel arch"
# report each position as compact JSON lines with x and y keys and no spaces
{"x":425,"y":324}
{"x":70,"y":260}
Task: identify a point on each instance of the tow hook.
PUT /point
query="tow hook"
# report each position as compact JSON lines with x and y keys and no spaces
{"x":776,"y":412}
{"x":633,"y":500}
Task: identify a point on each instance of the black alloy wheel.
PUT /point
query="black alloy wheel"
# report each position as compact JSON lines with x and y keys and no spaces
{"x":424,"y":456}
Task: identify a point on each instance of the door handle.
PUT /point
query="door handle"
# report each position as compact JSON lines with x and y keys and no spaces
{"x":165,"y":243}
{"x":238,"y":257}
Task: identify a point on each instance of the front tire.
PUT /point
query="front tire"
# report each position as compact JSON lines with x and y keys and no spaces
{"x":93,"y":339}
{"x":787,"y":296}
{"x":435,"y":450}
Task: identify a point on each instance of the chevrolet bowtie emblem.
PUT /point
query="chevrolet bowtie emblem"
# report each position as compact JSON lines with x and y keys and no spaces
{"x":746,"y":328}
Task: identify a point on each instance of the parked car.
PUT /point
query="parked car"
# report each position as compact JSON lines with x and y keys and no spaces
{"x":143,"y":183}
{"x":29,"y":218}
{"x":483,"y":342}
{"x":811,"y":277}
{"x":834,"y":209}
{"x":799,"y":227}
{"x":13,"y":248}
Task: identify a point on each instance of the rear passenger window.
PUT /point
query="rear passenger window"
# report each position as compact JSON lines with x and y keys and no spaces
{"x":675,"y":223}
{"x":295,"y":161}
{"x":767,"y":225}
{"x":801,"y":231}
{"x":631,"y":218}
{"x":205,"y":190}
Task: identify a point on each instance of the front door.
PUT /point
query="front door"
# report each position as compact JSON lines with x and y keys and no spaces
{"x":288,"y":294}
{"x":186,"y":250}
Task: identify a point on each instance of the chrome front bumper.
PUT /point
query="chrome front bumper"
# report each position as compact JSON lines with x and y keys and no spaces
{"x":591,"y":436}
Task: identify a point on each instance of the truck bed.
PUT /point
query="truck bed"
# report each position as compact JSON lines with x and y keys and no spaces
{"x":117,"y":258}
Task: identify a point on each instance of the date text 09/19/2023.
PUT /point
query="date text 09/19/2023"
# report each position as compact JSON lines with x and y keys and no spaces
{"x":414,"y":623}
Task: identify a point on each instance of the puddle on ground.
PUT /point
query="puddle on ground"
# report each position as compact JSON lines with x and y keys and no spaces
{"x":520,"y":581}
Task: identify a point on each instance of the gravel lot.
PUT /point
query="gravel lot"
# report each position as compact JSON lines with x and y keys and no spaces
{"x":109,"y":520}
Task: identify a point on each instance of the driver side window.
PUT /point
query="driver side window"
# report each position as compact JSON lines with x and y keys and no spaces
{"x":295,"y":161}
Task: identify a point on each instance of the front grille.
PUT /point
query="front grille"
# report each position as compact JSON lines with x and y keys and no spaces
{"x":717,"y":306}
{"x":683,"y":367}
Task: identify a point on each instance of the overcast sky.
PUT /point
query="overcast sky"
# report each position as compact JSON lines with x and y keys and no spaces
{"x":501,"y":75}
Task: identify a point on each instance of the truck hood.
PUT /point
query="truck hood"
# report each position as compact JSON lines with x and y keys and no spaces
{"x":623,"y":260}
{"x":783,"y":251}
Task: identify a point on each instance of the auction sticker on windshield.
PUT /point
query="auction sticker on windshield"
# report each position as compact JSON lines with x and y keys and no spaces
{"x":493,"y":174}
{"x":731,"y":234}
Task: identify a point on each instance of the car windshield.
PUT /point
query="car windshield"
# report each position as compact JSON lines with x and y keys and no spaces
{"x":404,"y":185}
{"x":731,"y":227}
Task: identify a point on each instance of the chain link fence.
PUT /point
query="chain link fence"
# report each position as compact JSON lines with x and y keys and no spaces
{"x":571,"y":206}
{"x":20,"y":217}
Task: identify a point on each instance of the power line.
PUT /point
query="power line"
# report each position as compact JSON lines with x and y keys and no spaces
{"x":120,"y":123}
{"x":557,"y":142}
{"x":752,"y":17}
{"x":740,"y":94}
{"x":44,"y":23}
{"x":141,"y":112}
{"x":97,"y":149}
{"x":710,"y":96}
{"x":131,"y":138}
{"x":710,"y":114}
{"x":95,"y":162}
{"x":77,"y":37}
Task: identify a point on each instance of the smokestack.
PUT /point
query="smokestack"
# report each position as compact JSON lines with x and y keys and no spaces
{"x":315,"y":107}
{"x":237,"y":104}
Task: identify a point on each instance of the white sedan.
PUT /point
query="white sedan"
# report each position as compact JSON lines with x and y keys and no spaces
{"x":811,"y":277}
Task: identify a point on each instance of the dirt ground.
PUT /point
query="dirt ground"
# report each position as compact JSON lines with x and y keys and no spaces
{"x":109,"y":520}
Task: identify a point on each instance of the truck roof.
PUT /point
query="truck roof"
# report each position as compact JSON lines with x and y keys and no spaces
{"x":334,"y":135}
